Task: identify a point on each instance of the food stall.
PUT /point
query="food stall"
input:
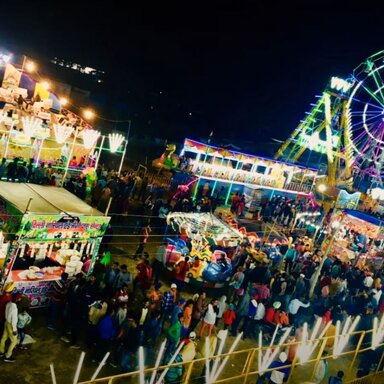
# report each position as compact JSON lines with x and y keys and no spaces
{"x":45,"y":231}
{"x":208,"y":237}
{"x":358,"y":237}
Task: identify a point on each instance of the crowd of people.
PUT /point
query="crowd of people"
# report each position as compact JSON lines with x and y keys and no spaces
{"x":118,"y":312}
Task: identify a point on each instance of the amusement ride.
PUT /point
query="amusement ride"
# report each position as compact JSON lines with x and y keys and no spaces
{"x":346,"y":127}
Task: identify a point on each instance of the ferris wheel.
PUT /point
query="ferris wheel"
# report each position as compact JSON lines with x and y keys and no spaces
{"x":366,"y":119}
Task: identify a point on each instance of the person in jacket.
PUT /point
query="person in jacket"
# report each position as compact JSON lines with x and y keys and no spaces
{"x":130,"y":340}
{"x":152,"y":329}
{"x":173,"y":336}
{"x":210,"y":317}
{"x":154,"y":297}
{"x":229,"y":316}
{"x":10,"y":329}
{"x":198,"y":310}
{"x":96,"y":311}
{"x":167,"y":303}
{"x":280,"y":373}
{"x":222,"y":306}
{"x":58,"y":300}
{"x":241,"y":312}
{"x":123,"y":277}
{"x":181,"y":270}
{"x":187,"y":317}
{"x":107,"y":333}
{"x":5,"y":298}
{"x":189,"y":350}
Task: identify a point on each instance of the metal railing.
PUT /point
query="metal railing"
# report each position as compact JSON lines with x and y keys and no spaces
{"x":243,"y":366}
{"x":375,"y":378}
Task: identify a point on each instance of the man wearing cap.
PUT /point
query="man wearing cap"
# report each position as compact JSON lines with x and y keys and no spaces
{"x":168,"y":303}
{"x":176,"y":310}
{"x":301,"y":286}
{"x":10,"y":329}
{"x":5,"y":298}
{"x":188,"y":352}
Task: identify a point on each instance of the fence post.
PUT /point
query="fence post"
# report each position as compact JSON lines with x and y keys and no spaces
{"x":318,"y":358}
{"x":293,"y":366}
{"x":378,"y":368}
{"x":189,"y":372}
{"x":357,"y":350}
{"x":246,"y":362}
{"x":251,"y":357}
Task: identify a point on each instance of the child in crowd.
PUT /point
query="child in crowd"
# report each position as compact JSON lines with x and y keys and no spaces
{"x":23,"y":319}
{"x":228,"y":316}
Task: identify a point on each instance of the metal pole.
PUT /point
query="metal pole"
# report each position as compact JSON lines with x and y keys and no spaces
{"x":100,"y":149}
{"x":70,"y":157}
{"x":251,"y":357}
{"x":8,"y":140}
{"x":189,"y":372}
{"x":129,"y":130}
{"x":108,"y":206}
{"x":39,"y":153}
{"x":293,"y":366}
{"x":380,"y":363}
{"x":122,"y":157}
{"x":357,"y":350}
{"x":318,"y":358}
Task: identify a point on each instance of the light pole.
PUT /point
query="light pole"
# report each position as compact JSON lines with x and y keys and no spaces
{"x":70,"y":156}
{"x":122,"y":157}
{"x":125,"y":147}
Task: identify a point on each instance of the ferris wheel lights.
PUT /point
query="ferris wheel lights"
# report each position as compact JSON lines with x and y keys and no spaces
{"x":340,"y":84}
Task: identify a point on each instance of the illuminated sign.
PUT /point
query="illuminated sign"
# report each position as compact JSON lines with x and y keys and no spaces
{"x":314,"y":143}
{"x":340,"y":84}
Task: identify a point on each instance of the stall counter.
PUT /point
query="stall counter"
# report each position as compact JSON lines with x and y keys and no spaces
{"x":36,"y":290}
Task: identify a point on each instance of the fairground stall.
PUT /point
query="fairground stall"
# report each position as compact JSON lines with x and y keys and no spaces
{"x":45,"y":231}
{"x":224,"y":172}
{"x":35,"y":127}
{"x":357,"y":237}
{"x":208,"y":241}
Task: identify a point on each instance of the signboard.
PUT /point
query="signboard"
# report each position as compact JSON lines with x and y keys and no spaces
{"x":347,"y":200}
{"x":38,"y":292}
{"x":49,"y":227}
{"x":10,"y":217}
{"x":314,"y":143}
{"x":340,"y":84}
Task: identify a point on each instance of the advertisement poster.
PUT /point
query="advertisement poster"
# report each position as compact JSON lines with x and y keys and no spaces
{"x":9,"y":217}
{"x":49,"y":227}
{"x":38,"y":292}
{"x":347,"y":200}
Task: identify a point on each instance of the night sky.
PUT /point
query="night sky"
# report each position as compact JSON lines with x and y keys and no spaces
{"x":244,"y":69}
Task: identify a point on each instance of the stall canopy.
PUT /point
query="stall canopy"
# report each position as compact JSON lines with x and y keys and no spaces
{"x":45,"y":199}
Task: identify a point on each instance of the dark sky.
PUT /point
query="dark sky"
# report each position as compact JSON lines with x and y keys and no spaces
{"x":245,"y":69}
